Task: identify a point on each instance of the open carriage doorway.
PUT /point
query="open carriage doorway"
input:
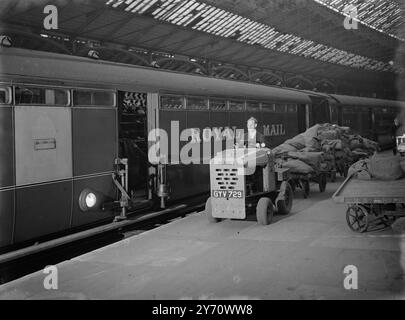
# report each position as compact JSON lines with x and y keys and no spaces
{"x":133,"y":143}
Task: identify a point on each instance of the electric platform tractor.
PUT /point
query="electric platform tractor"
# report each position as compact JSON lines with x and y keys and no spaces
{"x":245,"y":181}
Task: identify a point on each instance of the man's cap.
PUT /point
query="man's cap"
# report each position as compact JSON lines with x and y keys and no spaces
{"x":252,"y":119}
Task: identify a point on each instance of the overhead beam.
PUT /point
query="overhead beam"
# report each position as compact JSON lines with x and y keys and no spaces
{"x":90,"y":18}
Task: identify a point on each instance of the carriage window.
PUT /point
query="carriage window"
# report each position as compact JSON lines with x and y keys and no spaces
{"x":103,"y":98}
{"x":252,"y":106}
{"x":172,"y":102}
{"x":281,"y":107}
{"x":82,"y":98}
{"x":236,"y":105}
{"x":93,"y":98}
{"x":5,"y":96}
{"x":41,"y":96}
{"x":349,"y":110}
{"x":291,"y":108}
{"x":268,"y":107}
{"x":194,"y":103}
{"x":218,"y":104}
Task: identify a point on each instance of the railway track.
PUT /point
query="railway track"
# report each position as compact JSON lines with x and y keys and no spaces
{"x":18,"y":263}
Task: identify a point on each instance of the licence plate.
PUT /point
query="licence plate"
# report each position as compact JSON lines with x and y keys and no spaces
{"x":238,"y":194}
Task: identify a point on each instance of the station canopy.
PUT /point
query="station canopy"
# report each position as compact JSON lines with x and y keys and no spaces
{"x":298,"y":37}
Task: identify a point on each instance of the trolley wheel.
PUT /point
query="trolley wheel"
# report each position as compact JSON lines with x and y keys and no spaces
{"x":322,"y":182}
{"x":284,"y":206}
{"x":208,"y":212}
{"x":305,"y":188}
{"x":357,"y":218}
{"x":264,"y":211}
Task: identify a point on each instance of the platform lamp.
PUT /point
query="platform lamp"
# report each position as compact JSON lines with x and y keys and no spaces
{"x":5,"y":41}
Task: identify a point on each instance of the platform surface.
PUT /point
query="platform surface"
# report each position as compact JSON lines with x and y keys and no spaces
{"x":299,"y":256}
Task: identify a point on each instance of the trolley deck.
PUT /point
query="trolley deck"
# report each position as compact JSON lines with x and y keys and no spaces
{"x":370,"y":191}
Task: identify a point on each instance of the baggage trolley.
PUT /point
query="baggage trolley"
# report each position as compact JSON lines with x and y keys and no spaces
{"x":371,"y":202}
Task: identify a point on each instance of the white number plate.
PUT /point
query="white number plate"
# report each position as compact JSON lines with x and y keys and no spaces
{"x":227,"y":194}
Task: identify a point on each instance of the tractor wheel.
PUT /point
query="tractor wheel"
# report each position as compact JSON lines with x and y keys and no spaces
{"x":264,"y":211}
{"x":322,"y":182}
{"x":208,"y":212}
{"x":305,"y":188}
{"x":284,"y":206}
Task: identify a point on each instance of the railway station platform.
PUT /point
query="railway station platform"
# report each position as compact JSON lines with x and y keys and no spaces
{"x":299,"y":256}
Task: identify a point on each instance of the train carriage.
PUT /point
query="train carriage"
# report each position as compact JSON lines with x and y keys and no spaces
{"x":372,"y":118}
{"x":64,"y":120}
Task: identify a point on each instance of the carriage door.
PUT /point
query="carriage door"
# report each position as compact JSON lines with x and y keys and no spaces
{"x":132,"y":109}
{"x":43,"y":161}
{"x":319,"y":111}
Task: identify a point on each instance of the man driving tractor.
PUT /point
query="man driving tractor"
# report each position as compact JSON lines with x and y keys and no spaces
{"x":252,"y":138}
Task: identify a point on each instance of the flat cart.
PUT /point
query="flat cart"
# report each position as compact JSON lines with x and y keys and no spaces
{"x":302,"y":181}
{"x":371,"y":201}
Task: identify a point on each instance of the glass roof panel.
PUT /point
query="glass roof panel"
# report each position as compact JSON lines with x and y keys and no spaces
{"x":381,"y":15}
